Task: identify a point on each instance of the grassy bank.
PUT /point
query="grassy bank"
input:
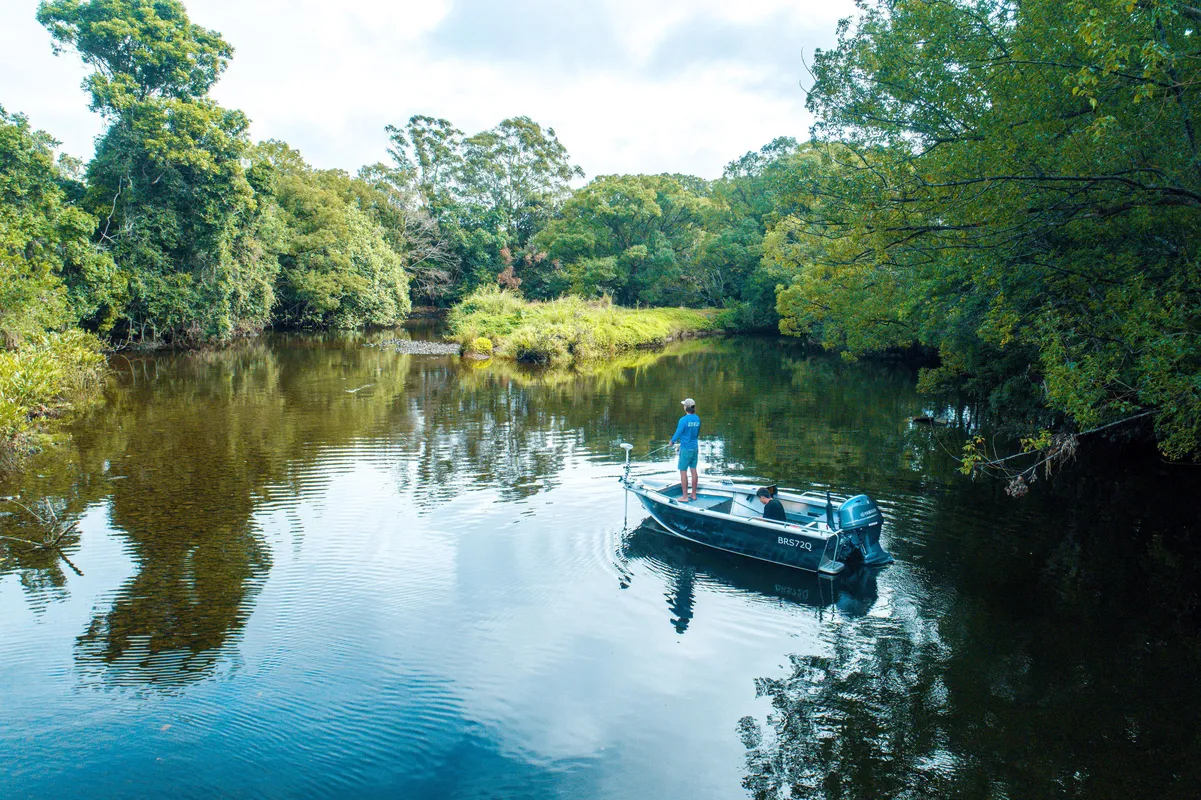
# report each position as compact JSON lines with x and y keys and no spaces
{"x":568,"y":329}
{"x":39,"y":379}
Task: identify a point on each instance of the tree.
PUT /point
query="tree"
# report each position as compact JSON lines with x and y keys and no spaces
{"x":487,"y":192}
{"x":631,"y":236}
{"x":429,"y":152}
{"x":337,"y":266}
{"x":411,"y":230}
{"x":51,"y":275}
{"x":168,"y":185}
{"x":1018,"y":187}
{"x":753,"y":194}
{"x":516,"y":175}
{"x":139,"y":50}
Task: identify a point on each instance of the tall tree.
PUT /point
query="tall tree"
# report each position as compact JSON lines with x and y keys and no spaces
{"x":429,"y":152}
{"x":168,"y":184}
{"x":516,"y":175}
{"x":490,"y":193}
{"x":410,"y":229}
{"x":338,"y":268}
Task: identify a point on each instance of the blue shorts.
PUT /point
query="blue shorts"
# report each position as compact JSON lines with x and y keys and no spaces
{"x":688,"y":458}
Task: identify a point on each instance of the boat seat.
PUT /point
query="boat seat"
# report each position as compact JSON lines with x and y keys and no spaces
{"x":709,"y":503}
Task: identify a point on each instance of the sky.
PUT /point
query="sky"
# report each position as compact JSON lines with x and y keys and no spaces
{"x":628,"y":85}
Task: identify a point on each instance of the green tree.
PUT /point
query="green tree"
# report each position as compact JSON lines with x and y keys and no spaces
{"x":429,"y":152}
{"x":489,"y":193}
{"x":337,"y":266}
{"x":387,"y":195}
{"x":631,"y":236}
{"x":753,"y":194}
{"x":515,"y":176}
{"x":51,"y":275}
{"x":168,"y":184}
{"x":1018,"y":187}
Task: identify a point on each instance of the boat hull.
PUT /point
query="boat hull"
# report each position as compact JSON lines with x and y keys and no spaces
{"x":787,"y":544}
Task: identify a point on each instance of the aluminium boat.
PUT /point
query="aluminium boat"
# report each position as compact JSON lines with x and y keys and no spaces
{"x":822,"y":533}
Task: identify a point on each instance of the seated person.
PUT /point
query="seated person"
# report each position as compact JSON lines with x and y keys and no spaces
{"x":772,"y":508}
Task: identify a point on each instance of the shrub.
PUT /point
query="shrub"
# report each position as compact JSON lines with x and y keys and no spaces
{"x":569,"y":329}
{"x":38,"y":378}
{"x":480,"y":346}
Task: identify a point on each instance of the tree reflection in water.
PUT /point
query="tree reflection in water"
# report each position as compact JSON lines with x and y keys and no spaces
{"x":855,"y":724}
{"x":1043,"y":648}
{"x":189,"y":447}
{"x":1050,"y":654}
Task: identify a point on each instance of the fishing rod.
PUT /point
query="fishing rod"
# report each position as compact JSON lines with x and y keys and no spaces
{"x":629,"y":450}
{"x":625,"y":478}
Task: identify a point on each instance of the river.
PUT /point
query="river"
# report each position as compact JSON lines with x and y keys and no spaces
{"x":307,"y":566}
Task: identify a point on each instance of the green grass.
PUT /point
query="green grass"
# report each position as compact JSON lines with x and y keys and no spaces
{"x":38,"y":379}
{"x":569,"y":329}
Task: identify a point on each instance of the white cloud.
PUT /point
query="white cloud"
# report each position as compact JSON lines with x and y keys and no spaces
{"x":629,"y":85}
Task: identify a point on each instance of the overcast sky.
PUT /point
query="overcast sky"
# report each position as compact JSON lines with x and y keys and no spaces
{"x":629,"y":85}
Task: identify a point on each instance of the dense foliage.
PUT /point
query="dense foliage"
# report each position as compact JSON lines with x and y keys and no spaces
{"x":337,"y":267}
{"x":569,"y":330}
{"x":489,"y":193}
{"x":1018,"y":186}
{"x":47,"y":262}
{"x":1014,"y":187}
{"x":198,"y":235}
{"x":167,"y":183}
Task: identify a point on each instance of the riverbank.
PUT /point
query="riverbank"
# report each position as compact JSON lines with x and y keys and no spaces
{"x":569,"y":329}
{"x":39,"y":380}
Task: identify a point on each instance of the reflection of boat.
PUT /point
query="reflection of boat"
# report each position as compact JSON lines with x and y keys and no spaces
{"x":682,"y":561}
{"x":819,"y":534}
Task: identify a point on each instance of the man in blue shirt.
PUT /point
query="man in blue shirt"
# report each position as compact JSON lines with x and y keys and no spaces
{"x":687,"y":433}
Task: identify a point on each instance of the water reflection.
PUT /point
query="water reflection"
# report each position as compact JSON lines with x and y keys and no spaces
{"x":36,"y":545}
{"x":682,"y":565}
{"x":431,"y":552}
{"x":185,"y":450}
{"x":188,"y":448}
{"x":1053,"y":653}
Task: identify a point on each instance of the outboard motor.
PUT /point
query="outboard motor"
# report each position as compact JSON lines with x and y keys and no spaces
{"x":859,"y":523}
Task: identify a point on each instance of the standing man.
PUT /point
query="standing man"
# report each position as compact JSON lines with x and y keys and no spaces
{"x":687,"y":433}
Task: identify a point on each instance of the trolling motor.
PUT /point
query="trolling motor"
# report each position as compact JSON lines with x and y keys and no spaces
{"x":627,"y":447}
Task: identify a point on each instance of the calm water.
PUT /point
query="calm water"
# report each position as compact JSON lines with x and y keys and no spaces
{"x":308,"y":567}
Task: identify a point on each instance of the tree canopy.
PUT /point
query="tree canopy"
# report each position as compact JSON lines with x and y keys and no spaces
{"x":139,"y":50}
{"x":1015,"y":185}
{"x":1012,"y":189}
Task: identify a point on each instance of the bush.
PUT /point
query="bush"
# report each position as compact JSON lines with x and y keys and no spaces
{"x":569,"y":329}
{"x":480,"y":346}
{"x":39,"y":378}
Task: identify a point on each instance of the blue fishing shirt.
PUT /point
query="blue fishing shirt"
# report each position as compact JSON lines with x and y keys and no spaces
{"x":687,"y":432}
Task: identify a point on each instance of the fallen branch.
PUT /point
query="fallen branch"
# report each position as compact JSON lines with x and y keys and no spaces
{"x":1051,"y":452}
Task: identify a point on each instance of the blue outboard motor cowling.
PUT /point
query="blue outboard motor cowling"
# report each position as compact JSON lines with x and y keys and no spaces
{"x":859,"y":522}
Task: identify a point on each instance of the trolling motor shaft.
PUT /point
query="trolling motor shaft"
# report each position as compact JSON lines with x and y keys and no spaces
{"x":627,"y":447}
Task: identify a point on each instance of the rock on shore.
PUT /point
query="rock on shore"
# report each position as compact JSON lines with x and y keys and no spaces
{"x":420,"y":347}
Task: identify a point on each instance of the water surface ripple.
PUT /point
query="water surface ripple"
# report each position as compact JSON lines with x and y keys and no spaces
{"x":308,"y":567}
